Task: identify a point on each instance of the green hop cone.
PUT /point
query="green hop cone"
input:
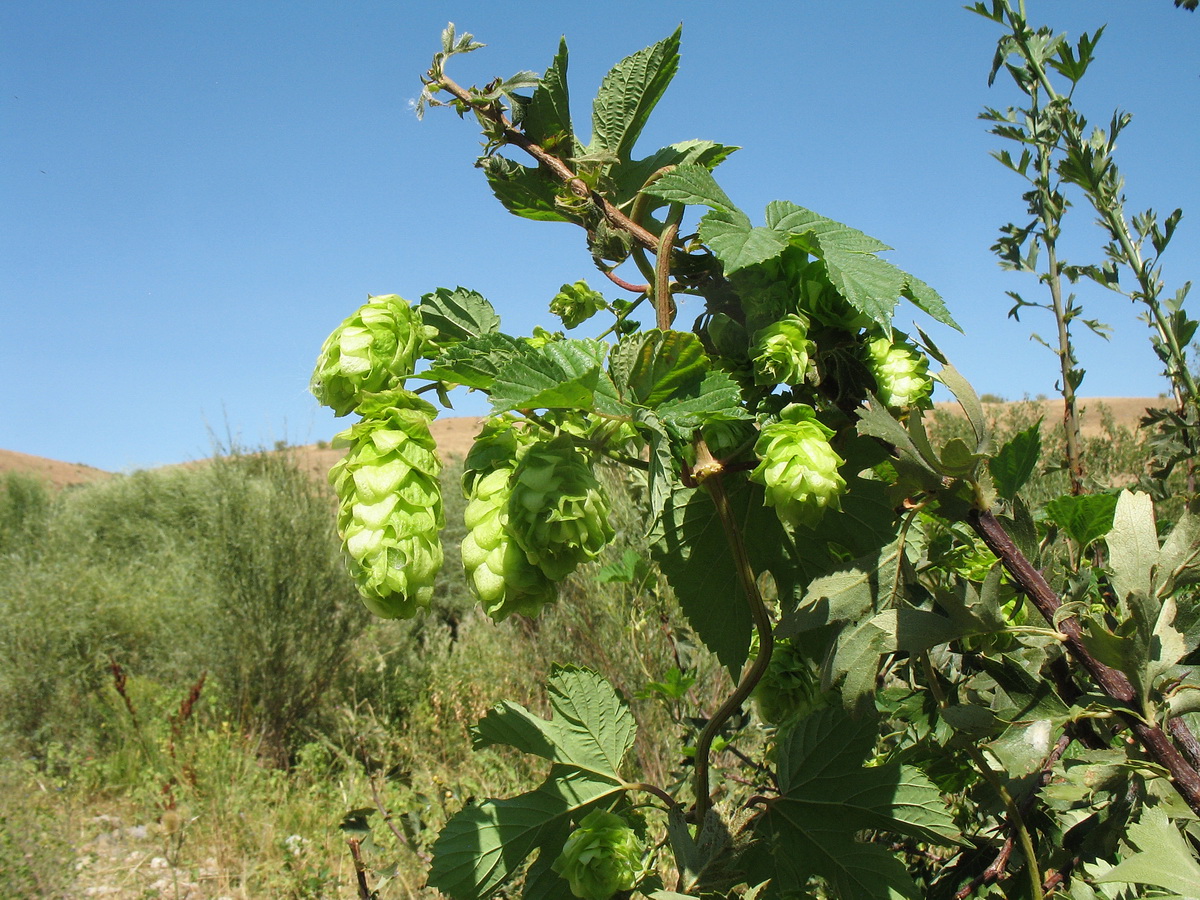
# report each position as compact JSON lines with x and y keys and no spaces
{"x":576,"y":303}
{"x":901,"y":372}
{"x":790,"y":688}
{"x":799,"y":467}
{"x":601,"y":857}
{"x":497,"y":569}
{"x":782,"y":352}
{"x":558,"y":512}
{"x":390,"y":503}
{"x":373,"y":350}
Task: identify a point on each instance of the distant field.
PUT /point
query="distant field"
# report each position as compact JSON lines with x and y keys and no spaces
{"x":454,"y":436}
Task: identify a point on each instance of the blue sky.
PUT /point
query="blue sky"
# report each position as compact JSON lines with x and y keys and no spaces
{"x":194,"y":194}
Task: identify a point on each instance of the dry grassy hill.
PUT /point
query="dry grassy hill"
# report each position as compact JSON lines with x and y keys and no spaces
{"x":454,"y":436}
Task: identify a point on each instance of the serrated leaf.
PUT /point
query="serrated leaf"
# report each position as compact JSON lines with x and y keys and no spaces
{"x":591,"y":729}
{"x":876,"y":421}
{"x":737,"y":243}
{"x":693,"y":185}
{"x":717,"y":398}
{"x":458,"y":314}
{"x":965,"y":394}
{"x":929,"y":301}
{"x":1132,"y":545}
{"x":910,"y":630}
{"x":1016,"y":461}
{"x":651,"y":366}
{"x":845,"y":594}
{"x":548,"y":117}
{"x":827,"y":797}
{"x":631,"y":177}
{"x":558,"y":375}
{"x":475,"y":361}
{"x":483,"y":845}
{"x":660,"y":475}
{"x":828,"y":234}
{"x":1085,"y":518}
{"x":690,"y":546}
{"x":524,"y":191}
{"x":1165,"y":859}
{"x":627,"y":96}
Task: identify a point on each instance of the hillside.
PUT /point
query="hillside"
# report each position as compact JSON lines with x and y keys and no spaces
{"x":454,"y":436}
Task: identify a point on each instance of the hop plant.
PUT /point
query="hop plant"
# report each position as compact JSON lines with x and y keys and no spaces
{"x":799,"y":467}
{"x":390,"y":503}
{"x":558,"y":512}
{"x":576,"y":303}
{"x":373,"y":350}
{"x":499,"y":573}
{"x":601,"y":857}
{"x":900,"y":371}
{"x":790,"y":688}
{"x":782,"y":351}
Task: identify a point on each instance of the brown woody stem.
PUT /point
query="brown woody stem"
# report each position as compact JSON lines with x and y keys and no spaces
{"x":1114,"y":683}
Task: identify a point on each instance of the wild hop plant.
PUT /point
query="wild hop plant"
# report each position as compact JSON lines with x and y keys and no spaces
{"x":901,"y":372}
{"x":601,"y":857}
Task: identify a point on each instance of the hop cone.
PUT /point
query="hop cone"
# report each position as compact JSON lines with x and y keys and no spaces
{"x":790,"y":689}
{"x":601,"y":857}
{"x":503,"y":579}
{"x":374,"y":350}
{"x":900,"y":371}
{"x":390,"y":504}
{"x":799,"y":467}
{"x":558,"y":512}
{"x":576,"y":303}
{"x":782,"y":352}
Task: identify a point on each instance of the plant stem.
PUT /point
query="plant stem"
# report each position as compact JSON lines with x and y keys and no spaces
{"x":1116,"y":684}
{"x":762,"y":622}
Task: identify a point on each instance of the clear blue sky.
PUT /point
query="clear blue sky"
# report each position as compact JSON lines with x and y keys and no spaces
{"x":193,"y":195}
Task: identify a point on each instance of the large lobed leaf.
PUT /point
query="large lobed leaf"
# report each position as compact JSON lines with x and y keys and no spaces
{"x":627,"y":96}
{"x":828,"y":796}
{"x":592,"y":729}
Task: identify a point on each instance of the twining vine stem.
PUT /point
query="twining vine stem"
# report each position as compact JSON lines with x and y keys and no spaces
{"x":712,"y":481}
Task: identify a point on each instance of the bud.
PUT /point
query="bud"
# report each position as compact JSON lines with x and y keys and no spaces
{"x":900,"y":371}
{"x":601,"y":857}
{"x":799,"y":467}
{"x":500,"y":575}
{"x":390,"y":503}
{"x":790,"y":689}
{"x":558,"y":512}
{"x":373,"y":350}
{"x":782,"y":352}
{"x":576,"y":303}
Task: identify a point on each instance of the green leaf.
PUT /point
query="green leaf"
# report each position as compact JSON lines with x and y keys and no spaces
{"x":736,"y":243}
{"x":1085,"y":518}
{"x":475,"y":361}
{"x":631,"y":177}
{"x":651,"y":366}
{"x":458,"y":314}
{"x":627,"y":96}
{"x":1165,"y":859}
{"x":1133,"y":545}
{"x":524,"y":191}
{"x":717,"y":398}
{"x":917,"y":630}
{"x":558,"y":375}
{"x":1179,"y":559}
{"x":1016,"y":461}
{"x":591,"y":730}
{"x":693,"y":185}
{"x":590,"y":733}
{"x":827,"y":234}
{"x":845,"y":594}
{"x":827,"y":796}
{"x":690,"y":546}
{"x":548,"y":117}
